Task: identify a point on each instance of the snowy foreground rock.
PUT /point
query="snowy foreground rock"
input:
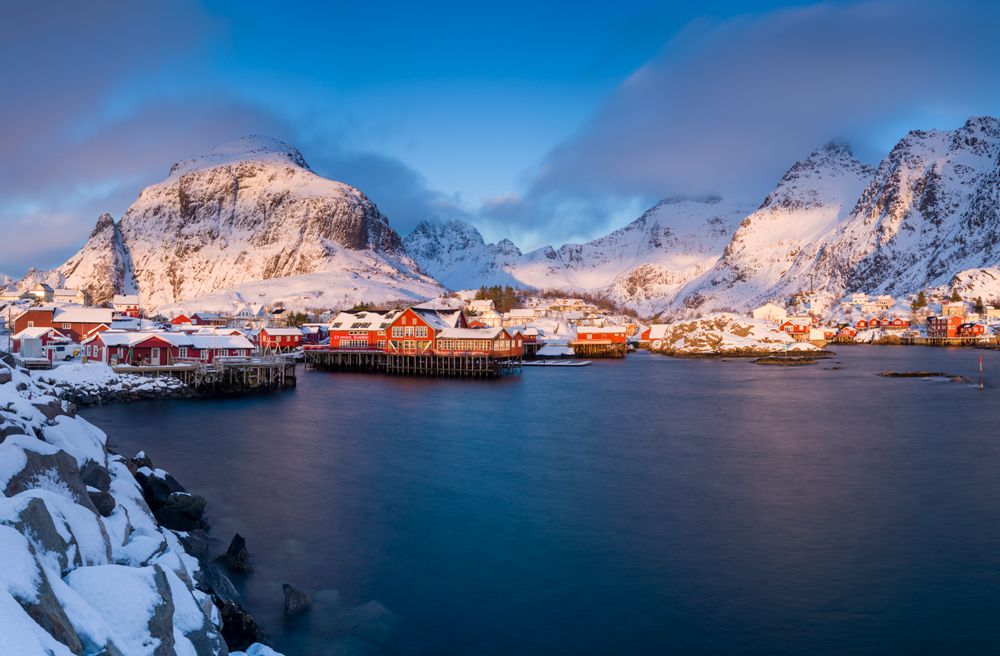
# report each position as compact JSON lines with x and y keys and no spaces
{"x":96,"y":383}
{"x":87,"y":566}
{"x":728,"y":335}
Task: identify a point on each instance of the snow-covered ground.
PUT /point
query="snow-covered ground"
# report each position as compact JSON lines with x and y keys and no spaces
{"x":727,"y":334}
{"x":87,"y":569}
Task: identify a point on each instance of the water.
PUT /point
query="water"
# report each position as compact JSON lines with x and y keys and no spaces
{"x":646,"y":506}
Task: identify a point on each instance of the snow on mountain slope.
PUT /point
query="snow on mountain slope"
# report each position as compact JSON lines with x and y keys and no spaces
{"x":249,"y":210}
{"x":102,"y":267}
{"x":455,"y":253}
{"x":931,"y":210}
{"x":808,"y":203}
{"x":638,"y":265}
{"x":327,"y":289}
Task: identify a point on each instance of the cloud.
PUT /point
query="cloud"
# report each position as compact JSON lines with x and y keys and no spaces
{"x":726,"y":107}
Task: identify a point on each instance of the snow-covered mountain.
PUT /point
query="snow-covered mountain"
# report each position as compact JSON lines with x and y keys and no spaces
{"x":638,"y":265}
{"x":249,"y":210}
{"x":809,"y":202}
{"x":455,"y":253}
{"x":931,"y":211}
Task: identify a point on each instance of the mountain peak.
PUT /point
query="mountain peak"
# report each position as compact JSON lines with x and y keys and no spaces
{"x":249,"y":148}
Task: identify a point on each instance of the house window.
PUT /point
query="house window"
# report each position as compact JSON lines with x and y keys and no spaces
{"x":397,"y":331}
{"x":421,"y":331}
{"x":66,"y":326}
{"x":31,"y":324}
{"x":182,"y":352}
{"x":408,"y":332}
{"x":409,"y":345}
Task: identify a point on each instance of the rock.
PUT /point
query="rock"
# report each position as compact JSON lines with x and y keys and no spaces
{"x":182,"y":511}
{"x":35,"y":521}
{"x":217,"y":584}
{"x":239,"y":628}
{"x":96,"y":476}
{"x":59,"y":468}
{"x":5,"y":376}
{"x":6,"y":430}
{"x":103,"y":501}
{"x":157,"y":489}
{"x":161,"y":624}
{"x":237,"y":558}
{"x":141,"y":460}
{"x":296,"y":601}
{"x":51,"y":410}
{"x":48,"y":613}
{"x":198,"y":544}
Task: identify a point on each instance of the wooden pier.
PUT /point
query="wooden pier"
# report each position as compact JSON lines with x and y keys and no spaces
{"x":224,"y":375}
{"x":593,"y":348}
{"x":467,"y":365}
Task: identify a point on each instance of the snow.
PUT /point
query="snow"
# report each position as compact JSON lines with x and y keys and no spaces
{"x":132,"y":604}
{"x":726,"y":334}
{"x":555,"y":351}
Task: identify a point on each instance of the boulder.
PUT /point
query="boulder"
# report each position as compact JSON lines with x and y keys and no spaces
{"x":51,"y":410}
{"x":157,"y":486}
{"x":182,"y":511}
{"x":239,"y":628}
{"x":161,"y":623}
{"x":55,"y":471}
{"x":36,"y":523}
{"x":5,"y":376}
{"x":95,"y":475}
{"x":49,"y":614}
{"x":296,"y":601}
{"x":103,"y":501}
{"x":213,"y":581}
{"x":237,"y":558}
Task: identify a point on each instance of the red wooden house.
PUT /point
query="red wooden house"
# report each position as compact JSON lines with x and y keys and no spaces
{"x":45,"y":334}
{"x":361,"y":331}
{"x":280,"y":340}
{"x":181,"y":319}
{"x":608,"y":334}
{"x":899,"y":323}
{"x":74,"y":322}
{"x":795,"y":328}
{"x":971,"y":330}
{"x":414,"y":329}
{"x":492,"y":342}
{"x":943,"y":327}
{"x":848,"y":331}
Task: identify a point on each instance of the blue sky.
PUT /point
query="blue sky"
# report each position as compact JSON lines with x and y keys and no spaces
{"x":540,"y":122}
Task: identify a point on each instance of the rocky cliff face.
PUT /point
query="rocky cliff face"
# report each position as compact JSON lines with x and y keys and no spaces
{"x":931,"y":210}
{"x":102,"y":267}
{"x":250,"y":210}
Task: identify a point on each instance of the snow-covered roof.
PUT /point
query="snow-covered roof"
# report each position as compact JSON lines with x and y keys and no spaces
{"x":284,"y":332}
{"x":37,"y":331}
{"x":601,"y":330}
{"x":469,"y":333}
{"x":438,"y":319}
{"x":126,"y":299}
{"x":82,"y":315}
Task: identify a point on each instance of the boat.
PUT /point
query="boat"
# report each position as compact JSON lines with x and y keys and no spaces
{"x":556,"y":363}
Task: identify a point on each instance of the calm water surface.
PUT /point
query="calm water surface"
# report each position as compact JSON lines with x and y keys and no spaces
{"x":646,"y":506}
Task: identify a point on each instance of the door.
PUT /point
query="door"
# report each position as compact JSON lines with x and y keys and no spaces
{"x":154,"y":356}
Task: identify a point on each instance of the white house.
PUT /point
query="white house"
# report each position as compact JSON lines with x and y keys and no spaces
{"x":126,"y":304}
{"x":77,"y":296}
{"x":771,"y":313}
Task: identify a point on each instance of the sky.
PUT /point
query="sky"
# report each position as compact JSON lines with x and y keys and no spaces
{"x":544,"y":123}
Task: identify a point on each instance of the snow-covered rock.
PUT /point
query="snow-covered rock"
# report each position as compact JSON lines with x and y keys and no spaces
{"x":75,"y":580}
{"x":728,"y":335}
{"x":102,"y":267}
{"x":455,"y":253}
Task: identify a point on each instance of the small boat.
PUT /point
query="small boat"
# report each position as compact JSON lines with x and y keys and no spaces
{"x":556,"y":363}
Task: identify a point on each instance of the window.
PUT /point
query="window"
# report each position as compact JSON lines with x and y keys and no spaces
{"x":397,"y":331}
{"x":409,"y":345}
{"x":408,"y":332}
{"x":67,"y":326}
{"x":421,"y":331}
{"x":182,"y":352}
{"x":31,"y":324}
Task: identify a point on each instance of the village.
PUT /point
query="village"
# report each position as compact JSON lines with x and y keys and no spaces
{"x":465,"y":335}
{"x":257,"y":347}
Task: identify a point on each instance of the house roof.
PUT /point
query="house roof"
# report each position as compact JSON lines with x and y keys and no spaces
{"x":37,"y":331}
{"x":274,"y":332}
{"x":78,"y":314}
{"x":603,"y":330}
{"x":470,"y":333}
{"x":126,"y":299}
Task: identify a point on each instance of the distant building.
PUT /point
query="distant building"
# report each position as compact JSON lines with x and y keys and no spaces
{"x":942,"y":327}
{"x":127,"y":304}
{"x":953,"y":309}
{"x":41,"y":292}
{"x":77,"y":296}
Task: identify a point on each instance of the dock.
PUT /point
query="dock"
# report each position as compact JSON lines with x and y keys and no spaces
{"x":465,"y":365}
{"x":229,"y":375}
{"x":598,"y":348}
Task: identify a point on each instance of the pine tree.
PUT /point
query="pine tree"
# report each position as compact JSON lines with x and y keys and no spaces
{"x":955,"y":296}
{"x":919,"y":302}
{"x":980,"y":306}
